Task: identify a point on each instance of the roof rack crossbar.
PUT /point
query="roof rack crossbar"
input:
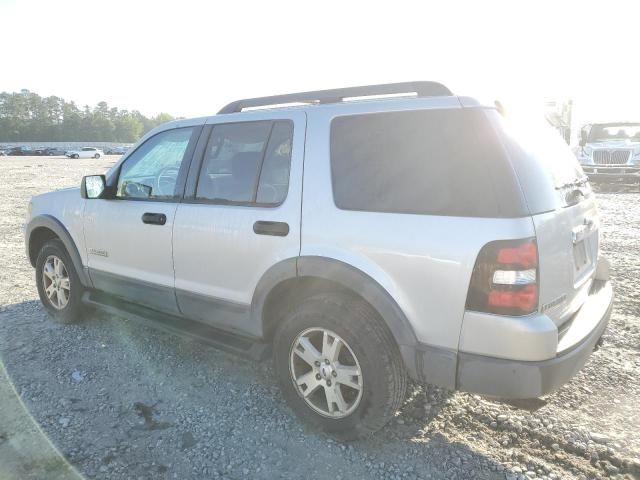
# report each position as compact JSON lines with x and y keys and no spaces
{"x":421,"y":89}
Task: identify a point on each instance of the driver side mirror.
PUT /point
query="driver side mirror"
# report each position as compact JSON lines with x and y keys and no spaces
{"x":93,"y":186}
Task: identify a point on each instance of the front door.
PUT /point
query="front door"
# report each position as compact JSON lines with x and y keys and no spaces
{"x":128,"y":237}
{"x":241,"y":217}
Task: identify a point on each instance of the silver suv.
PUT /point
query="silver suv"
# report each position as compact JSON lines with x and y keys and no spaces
{"x":361,"y":235}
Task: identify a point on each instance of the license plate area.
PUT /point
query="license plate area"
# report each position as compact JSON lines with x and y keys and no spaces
{"x":580,"y":256}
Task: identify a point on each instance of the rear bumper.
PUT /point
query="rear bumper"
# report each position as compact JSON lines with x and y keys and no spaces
{"x":511,"y":379}
{"x":609,"y":174}
{"x":517,"y":379}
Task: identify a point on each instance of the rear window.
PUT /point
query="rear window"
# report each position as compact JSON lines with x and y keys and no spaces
{"x":429,"y":162}
{"x":545,"y":165}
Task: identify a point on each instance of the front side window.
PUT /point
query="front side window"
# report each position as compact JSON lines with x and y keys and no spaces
{"x":247,"y":163}
{"x":152,"y":170}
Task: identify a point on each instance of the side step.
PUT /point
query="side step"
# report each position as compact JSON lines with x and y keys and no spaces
{"x":243,"y":346}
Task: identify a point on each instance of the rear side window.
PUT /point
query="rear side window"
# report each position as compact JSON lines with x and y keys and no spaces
{"x":274,"y":176}
{"x":429,"y":162}
{"x":247,"y":163}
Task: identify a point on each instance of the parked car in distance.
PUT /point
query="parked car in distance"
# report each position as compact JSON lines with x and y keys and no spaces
{"x":4,"y":151}
{"x":116,"y":151}
{"x":20,"y":151}
{"x":361,"y":242}
{"x":610,"y":152}
{"x":52,"y":151}
{"x":85,"y":152}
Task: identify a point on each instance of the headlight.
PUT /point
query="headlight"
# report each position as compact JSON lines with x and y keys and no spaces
{"x":587,"y":151}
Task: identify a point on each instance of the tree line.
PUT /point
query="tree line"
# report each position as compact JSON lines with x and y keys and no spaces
{"x":26,"y":116}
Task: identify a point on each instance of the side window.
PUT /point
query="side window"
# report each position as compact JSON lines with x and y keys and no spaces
{"x":425,"y":162}
{"x":247,"y":163}
{"x":152,"y":170}
{"x":274,"y":177}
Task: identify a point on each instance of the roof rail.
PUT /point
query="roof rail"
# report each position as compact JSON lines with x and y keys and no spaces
{"x":421,"y":89}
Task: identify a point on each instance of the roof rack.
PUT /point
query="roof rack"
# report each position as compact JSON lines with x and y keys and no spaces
{"x":421,"y":89}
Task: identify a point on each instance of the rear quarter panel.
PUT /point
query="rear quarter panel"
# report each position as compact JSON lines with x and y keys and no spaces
{"x":423,"y":262}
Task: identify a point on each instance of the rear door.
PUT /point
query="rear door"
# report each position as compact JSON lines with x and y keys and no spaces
{"x":564,"y":214}
{"x":240,"y":215}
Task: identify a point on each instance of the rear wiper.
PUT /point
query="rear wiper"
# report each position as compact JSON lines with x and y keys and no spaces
{"x":578,"y":182}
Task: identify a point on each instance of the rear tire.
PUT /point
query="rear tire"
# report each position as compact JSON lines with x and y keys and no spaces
{"x":365,"y":347}
{"x":59,"y":286}
{"x":75,"y":156}
{"x":96,"y":156}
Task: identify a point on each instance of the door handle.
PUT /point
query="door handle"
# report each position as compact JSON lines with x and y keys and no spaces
{"x":154,"y":218}
{"x":276,"y":229}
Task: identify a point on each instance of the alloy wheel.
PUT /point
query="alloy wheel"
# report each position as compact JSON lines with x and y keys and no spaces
{"x":326,"y":372}
{"x":56,"y":282}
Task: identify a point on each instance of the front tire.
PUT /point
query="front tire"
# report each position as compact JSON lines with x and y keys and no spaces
{"x":96,"y":156}
{"x":339,"y":367}
{"x":76,"y":156}
{"x":59,"y":286}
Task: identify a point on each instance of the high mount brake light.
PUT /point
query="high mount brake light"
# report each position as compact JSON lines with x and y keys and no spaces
{"x":505,"y":278}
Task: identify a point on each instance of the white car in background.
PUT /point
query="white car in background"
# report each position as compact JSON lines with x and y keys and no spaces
{"x":85,"y":152}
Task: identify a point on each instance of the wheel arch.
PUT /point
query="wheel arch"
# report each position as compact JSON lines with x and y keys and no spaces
{"x":293,"y":278}
{"x":46,"y":227}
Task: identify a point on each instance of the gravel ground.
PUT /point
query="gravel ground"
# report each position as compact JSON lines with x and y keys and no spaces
{"x":119,"y":400}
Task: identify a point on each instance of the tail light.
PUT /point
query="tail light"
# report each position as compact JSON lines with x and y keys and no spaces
{"x":505,"y":278}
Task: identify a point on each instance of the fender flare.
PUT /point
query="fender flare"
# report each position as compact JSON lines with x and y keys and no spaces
{"x":278,"y":273}
{"x":346,"y":276}
{"x":365,"y":286}
{"x":53,"y":224}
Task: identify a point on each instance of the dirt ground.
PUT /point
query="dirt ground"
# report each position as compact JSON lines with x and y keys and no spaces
{"x":108,"y":398}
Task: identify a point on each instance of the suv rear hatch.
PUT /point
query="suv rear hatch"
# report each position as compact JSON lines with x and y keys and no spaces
{"x":564,"y":214}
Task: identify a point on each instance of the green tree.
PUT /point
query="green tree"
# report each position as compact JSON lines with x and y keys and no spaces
{"x":26,"y":116}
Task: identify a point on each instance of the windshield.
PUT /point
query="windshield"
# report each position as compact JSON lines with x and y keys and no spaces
{"x":616,"y":131}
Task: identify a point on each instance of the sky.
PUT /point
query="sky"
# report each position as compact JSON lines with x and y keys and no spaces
{"x":190,"y":58}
